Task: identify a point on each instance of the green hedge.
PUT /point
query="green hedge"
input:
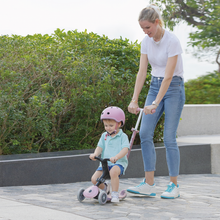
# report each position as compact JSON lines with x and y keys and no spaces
{"x":53,"y":89}
{"x":204,"y":90}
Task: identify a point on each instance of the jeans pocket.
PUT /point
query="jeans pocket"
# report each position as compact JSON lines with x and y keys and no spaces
{"x":176,"y":81}
{"x":175,"y":84}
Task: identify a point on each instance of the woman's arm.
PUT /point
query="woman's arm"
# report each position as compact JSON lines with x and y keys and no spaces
{"x":140,"y":79}
{"x":170,"y":67}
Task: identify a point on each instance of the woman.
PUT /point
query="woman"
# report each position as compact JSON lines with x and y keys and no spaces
{"x":163,"y":51}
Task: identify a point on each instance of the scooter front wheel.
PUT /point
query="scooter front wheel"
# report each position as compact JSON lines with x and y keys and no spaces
{"x":80,"y":195}
{"x":102,"y":197}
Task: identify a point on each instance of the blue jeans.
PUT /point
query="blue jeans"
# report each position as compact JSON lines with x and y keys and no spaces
{"x":172,"y":104}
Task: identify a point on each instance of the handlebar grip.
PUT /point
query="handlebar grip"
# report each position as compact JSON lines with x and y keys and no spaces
{"x":153,"y":110}
{"x":100,"y":159}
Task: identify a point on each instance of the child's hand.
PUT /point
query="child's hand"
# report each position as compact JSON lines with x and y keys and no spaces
{"x":92,"y":156}
{"x":113,"y":159}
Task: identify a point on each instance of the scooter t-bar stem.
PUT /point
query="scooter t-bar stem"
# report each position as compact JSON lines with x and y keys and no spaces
{"x":140,"y":115}
{"x":135,"y":130}
{"x":139,"y":118}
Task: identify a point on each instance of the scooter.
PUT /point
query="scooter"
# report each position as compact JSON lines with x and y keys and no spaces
{"x":94,"y":191}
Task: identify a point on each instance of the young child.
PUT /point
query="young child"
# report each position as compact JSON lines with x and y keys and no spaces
{"x":113,"y":144}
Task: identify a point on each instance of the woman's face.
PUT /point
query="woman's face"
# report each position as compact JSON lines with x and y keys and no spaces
{"x":149,"y":28}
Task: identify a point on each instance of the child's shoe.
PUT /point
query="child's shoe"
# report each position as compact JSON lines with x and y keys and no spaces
{"x":172,"y":192}
{"x":115,"y":197}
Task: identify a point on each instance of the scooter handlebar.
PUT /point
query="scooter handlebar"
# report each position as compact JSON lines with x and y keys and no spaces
{"x":100,"y":159}
{"x":153,"y":110}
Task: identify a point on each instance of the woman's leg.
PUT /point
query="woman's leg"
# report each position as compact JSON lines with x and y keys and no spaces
{"x":173,"y":105}
{"x":148,"y":125}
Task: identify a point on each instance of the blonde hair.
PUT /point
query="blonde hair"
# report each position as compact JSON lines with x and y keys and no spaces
{"x":111,"y":120}
{"x":151,"y":13}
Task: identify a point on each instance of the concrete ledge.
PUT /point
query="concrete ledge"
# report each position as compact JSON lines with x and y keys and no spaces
{"x":199,"y":120}
{"x":45,"y":168}
{"x":215,"y":154}
{"x":69,"y":167}
{"x":194,"y":159}
{"x":213,"y":140}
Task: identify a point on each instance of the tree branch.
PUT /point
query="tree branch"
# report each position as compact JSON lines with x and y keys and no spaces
{"x":192,"y":11}
{"x":187,"y":14}
{"x":218,"y":61}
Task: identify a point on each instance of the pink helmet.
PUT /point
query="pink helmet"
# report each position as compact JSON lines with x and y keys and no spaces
{"x":114,"y":113}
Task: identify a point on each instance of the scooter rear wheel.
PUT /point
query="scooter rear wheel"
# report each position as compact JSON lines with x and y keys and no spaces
{"x":102,"y":197}
{"x":80,"y":195}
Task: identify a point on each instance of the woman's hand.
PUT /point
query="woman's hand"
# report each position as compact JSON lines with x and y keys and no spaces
{"x":133,"y":108}
{"x":150,"y":109}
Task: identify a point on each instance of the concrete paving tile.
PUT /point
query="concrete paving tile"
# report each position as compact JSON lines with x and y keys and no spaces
{"x":18,"y":211}
{"x":200,"y":199}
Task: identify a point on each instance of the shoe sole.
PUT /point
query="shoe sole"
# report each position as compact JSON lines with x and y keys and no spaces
{"x":115,"y":201}
{"x":166,"y":197}
{"x":136,"y":192}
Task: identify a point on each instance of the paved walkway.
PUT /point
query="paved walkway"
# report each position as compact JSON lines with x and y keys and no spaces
{"x":200,"y":199}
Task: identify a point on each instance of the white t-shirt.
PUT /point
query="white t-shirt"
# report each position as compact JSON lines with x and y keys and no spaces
{"x":158,"y":54}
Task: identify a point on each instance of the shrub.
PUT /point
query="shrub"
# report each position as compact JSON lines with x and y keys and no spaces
{"x":54,"y":87}
{"x":204,"y":89}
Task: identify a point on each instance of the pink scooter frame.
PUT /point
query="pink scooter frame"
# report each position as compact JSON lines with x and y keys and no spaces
{"x":135,"y":131}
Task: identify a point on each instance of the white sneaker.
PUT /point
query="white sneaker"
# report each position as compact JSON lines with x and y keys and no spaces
{"x":172,"y":192}
{"x":144,"y":189}
{"x":115,"y":197}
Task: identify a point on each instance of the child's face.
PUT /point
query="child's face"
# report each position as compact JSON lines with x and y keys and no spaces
{"x":110,"y":125}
